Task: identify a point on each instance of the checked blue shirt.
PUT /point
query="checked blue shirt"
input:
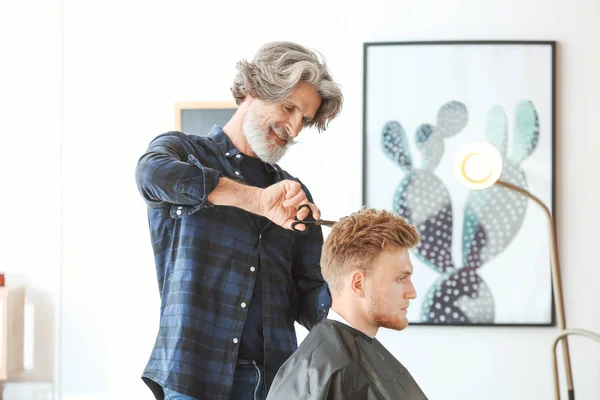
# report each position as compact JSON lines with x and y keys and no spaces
{"x":207,"y":260}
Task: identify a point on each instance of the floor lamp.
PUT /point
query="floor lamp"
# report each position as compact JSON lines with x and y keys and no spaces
{"x":478,"y":166}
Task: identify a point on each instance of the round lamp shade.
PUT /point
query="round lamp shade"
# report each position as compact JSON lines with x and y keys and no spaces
{"x":478,"y":165}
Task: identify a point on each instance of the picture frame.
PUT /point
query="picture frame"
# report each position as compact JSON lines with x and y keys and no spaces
{"x":197,"y":118}
{"x":483,"y":258}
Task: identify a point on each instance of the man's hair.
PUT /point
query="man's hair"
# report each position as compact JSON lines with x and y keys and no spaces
{"x":276,"y":71}
{"x":356,"y":241}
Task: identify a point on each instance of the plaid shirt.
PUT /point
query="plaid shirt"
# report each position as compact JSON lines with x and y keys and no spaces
{"x":207,"y":259}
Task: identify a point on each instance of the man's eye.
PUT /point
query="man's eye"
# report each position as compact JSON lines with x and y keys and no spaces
{"x":287,"y":109}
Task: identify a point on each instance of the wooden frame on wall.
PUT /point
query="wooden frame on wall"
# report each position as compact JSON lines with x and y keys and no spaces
{"x":197,"y":117}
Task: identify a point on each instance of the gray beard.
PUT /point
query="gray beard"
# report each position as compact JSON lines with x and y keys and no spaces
{"x":261,"y":144}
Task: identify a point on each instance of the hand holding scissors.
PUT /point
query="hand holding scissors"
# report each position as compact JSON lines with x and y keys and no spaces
{"x":309,"y":219}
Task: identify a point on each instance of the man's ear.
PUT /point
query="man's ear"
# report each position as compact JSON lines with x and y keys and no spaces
{"x":357,"y":283}
{"x":245,"y":104}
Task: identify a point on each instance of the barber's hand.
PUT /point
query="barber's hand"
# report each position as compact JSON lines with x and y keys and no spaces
{"x":280,"y":202}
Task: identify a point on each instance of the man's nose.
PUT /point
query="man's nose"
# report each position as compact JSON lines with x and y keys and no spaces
{"x":294,"y":125}
{"x":412,"y":293}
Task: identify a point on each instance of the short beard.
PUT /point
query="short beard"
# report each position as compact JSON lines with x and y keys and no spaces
{"x":258,"y":138}
{"x":381,"y":316}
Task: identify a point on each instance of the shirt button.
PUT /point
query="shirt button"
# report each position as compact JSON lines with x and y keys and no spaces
{"x":238,"y":156}
{"x":178,"y":212}
{"x":227,"y":154}
{"x":237,"y":173}
{"x":235,"y":340}
{"x":260,"y":236}
{"x":252,"y":269}
{"x":243,"y":305}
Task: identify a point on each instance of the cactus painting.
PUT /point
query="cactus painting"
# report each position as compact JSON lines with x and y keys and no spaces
{"x":492,"y":218}
{"x":483,"y":256}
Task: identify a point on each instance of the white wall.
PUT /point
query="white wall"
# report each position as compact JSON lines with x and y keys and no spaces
{"x":127,"y":62}
{"x":30,"y":149}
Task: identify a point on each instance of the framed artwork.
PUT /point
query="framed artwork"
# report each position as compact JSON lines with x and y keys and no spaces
{"x":483,"y":257}
{"x":198,"y":118}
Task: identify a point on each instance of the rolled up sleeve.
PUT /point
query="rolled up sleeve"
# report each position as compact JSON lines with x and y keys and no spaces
{"x":169,"y":173}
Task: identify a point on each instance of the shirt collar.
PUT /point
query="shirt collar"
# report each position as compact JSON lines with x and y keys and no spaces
{"x":334,"y":316}
{"x":337,"y":317}
{"x":223,"y":142}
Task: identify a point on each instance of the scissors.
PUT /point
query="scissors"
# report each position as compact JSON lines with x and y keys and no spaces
{"x":309,"y":220}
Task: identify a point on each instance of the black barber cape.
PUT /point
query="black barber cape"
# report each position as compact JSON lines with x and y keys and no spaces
{"x":337,"y":362}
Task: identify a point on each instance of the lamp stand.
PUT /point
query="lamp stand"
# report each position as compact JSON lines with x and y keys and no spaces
{"x":556,"y":286}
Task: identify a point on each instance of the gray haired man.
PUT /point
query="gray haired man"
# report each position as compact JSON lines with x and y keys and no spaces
{"x":232,"y":275}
